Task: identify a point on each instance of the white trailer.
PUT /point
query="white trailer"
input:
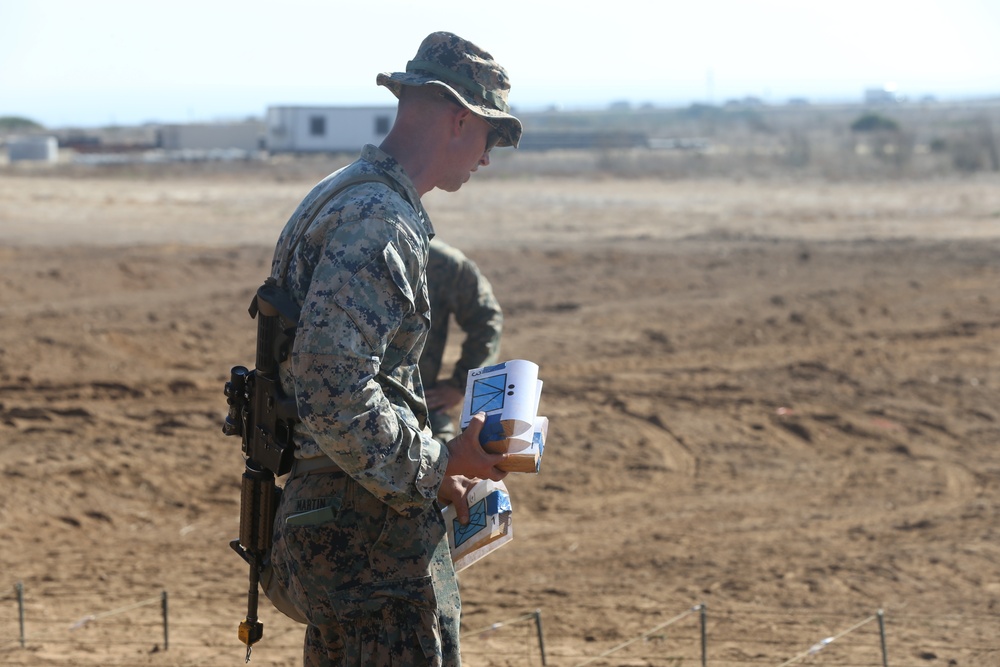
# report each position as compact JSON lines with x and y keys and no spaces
{"x":245,"y":136}
{"x":38,"y":149}
{"x":295,"y":129}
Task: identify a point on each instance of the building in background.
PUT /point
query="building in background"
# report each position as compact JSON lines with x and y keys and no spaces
{"x":295,"y":129}
{"x":248,"y":136}
{"x":35,"y":148}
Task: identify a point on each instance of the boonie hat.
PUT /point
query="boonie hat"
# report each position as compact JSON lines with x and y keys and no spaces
{"x":470,"y":74}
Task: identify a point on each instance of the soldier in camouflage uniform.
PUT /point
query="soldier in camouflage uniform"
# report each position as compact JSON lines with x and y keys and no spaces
{"x":359,"y":541}
{"x":457,"y":290}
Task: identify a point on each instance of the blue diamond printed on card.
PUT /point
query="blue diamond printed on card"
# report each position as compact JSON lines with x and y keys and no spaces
{"x":477,"y":521}
{"x":488,"y":393}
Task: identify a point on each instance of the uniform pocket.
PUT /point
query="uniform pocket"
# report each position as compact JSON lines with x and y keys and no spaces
{"x":319,"y":543}
{"x":314,"y":517}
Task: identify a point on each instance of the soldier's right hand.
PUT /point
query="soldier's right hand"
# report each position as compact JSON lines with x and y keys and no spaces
{"x":467,"y":457}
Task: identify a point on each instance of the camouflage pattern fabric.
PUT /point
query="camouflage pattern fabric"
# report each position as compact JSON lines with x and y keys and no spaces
{"x":377,"y":588}
{"x":442,"y":426}
{"x":459,"y":291}
{"x":365,"y":569}
{"x":358,"y":275}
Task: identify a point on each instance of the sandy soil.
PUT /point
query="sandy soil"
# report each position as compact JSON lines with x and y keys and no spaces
{"x":777,"y":400}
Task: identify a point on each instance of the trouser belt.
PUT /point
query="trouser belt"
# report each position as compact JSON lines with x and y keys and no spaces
{"x":318,"y":464}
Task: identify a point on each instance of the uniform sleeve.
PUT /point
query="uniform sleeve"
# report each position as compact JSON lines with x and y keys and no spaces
{"x":346,"y":327}
{"x":477,"y":312}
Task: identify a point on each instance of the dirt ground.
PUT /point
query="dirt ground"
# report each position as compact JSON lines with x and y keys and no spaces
{"x":777,"y":400}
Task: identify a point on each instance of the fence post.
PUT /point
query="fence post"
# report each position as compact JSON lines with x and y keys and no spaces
{"x":881,"y":633}
{"x":166,"y":632}
{"x":19,"y":587}
{"x":541,"y":638}
{"x":704,"y":636}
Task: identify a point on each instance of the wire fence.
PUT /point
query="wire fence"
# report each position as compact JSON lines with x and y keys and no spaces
{"x":51,"y":629}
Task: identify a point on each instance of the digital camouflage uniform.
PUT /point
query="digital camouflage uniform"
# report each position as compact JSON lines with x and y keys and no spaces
{"x":458,"y":290}
{"x":363,"y":552}
{"x":361,"y":547}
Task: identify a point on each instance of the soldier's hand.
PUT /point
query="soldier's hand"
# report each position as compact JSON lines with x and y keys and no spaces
{"x":467,"y":457}
{"x":455,"y":491}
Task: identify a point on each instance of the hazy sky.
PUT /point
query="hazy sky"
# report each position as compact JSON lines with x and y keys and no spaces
{"x":99,"y":62}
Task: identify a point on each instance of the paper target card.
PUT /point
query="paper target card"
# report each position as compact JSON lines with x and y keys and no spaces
{"x":509,"y":394}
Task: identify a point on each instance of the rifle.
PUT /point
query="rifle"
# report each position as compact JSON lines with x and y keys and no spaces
{"x":264,"y":418}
